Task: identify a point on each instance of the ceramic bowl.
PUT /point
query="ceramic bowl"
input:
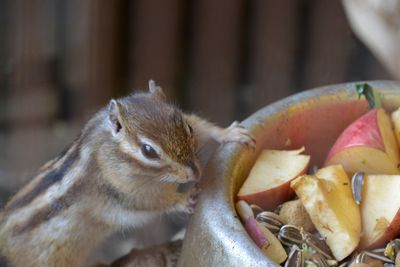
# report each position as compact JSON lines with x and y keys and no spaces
{"x":314,"y":119}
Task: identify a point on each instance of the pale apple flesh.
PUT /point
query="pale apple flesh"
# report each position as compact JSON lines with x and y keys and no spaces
{"x":327,"y":198}
{"x":368,"y":145}
{"x":396,"y":123}
{"x":388,"y":135}
{"x":380,"y":210}
{"x":366,"y":159}
{"x":268,"y":183}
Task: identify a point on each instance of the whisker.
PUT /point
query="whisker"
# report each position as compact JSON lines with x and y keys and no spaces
{"x":166,"y":179}
{"x":155,"y":179}
{"x":145,"y":183}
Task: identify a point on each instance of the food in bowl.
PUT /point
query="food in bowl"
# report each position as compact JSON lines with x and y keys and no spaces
{"x":281,"y":167}
{"x":354,"y":234}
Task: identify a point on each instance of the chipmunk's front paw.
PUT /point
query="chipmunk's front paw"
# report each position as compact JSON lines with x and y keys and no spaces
{"x":193,"y":196}
{"x":238,"y":134}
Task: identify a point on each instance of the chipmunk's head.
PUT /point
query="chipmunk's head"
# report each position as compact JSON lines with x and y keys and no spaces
{"x":150,"y":142}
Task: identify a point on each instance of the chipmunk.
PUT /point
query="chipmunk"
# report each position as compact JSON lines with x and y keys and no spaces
{"x":134,"y":160}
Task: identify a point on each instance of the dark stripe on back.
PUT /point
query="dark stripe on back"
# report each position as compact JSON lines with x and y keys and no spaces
{"x":48,"y":180}
{"x":41,"y":216}
{"x":51,"y":210}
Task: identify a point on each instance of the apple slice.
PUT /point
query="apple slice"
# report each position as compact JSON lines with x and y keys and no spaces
{"x":380,"y":210}
{"x":396,"y":123}
{"x":268,"y":183}
{"x":328,"y":200}
{"x":367,"y":145}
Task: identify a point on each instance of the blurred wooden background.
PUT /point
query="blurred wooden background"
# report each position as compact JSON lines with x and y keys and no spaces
{"x":62,"y":60}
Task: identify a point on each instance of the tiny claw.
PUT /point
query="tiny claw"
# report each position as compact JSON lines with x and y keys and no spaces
{"x":194,"y":193}
{"x":192,"y":199}
{"x":239,"y":134}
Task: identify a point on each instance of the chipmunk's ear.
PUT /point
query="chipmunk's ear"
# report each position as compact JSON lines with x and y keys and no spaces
{"x":114,"y":116}
{"x":156,"y":90}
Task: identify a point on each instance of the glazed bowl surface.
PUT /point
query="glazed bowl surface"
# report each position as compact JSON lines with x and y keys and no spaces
{"x":314,"y":119}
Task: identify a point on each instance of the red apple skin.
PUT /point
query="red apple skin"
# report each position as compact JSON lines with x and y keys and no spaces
{"x":390,"y":233}
{"x":270,"y":199}
{"x":362,"y":132}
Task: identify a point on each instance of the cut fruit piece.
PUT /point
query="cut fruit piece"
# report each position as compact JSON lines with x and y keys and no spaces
{"x":268,"y":183}
{"x":328,"y":200}
{"x":396,"y":123}
{"x":380,"y":213}
{"x":368,"y":145}
{"x":366,"y":159}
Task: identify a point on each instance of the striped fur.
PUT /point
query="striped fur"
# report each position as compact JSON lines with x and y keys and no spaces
{"x":52,"y":174}
{"x":105,"y":182}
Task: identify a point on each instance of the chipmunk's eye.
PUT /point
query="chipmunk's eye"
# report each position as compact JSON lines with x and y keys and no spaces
{"x":149,"y":152}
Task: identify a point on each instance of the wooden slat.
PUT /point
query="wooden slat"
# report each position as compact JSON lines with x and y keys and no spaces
{"x":272,"y":52}
{"x":32,"y":99}
{"x":4,"y":40}
{"x":156,"y":30}
{"x":92,"y":54}
{"x":5,"y":14}
{"x":215,"y":55}
{"x":29,"y":149}
{"x":362,"y":65}
{"x":329,"y":44}
{"x":375,"y":70}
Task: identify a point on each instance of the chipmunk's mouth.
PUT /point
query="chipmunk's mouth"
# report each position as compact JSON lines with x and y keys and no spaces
{"x":185,"y":187}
